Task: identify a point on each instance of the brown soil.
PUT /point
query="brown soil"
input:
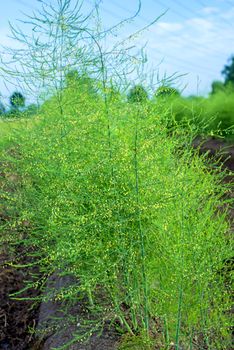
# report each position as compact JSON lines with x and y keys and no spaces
{"x":18,"y":317}
{"x":217,"y":148}
{"x":222,"y":151}
{"x":59,"y":323}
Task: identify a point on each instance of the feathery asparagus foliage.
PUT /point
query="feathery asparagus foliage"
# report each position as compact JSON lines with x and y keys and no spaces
{"x":142,"y":226}
{"x":120,"y":203}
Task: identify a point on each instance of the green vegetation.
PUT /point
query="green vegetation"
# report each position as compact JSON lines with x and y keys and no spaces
{"x":17,"y":100}
{"x":131,"y":213}
{"x":117,"y":197}
{"x":210,"y":116}
{"x":137,"y":94}
{"x":2,"y":108}
{"x":213,"y":115}
{"x":7,"y":131}
{"x":166,"y":91}
{"x":17,"y":107}
{"x":228,"y":71}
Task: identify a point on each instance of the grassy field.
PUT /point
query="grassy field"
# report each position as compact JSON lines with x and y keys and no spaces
{"x":6,"y":129}
{"x":10,"y":127}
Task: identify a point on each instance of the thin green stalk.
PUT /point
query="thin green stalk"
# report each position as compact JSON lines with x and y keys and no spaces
{"x":167,"y":338}
{"x":191,"y":340}
{"x":90,"y":297}
{"x":121,"y":316}
{"x":179,"y":317}
{"x":181,"y":276}
{"x":141,"y":234}
{"x":125,"y":265}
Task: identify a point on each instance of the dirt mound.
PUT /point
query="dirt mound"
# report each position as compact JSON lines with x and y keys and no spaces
{"x":217,"y":148}
{"x":61,"y":323}
{"x":16,"y":316}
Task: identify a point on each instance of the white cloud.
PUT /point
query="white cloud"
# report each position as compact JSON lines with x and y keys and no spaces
{"x":228,"y":15}
{"x":199,"y":46}
{"x":200,"y":24}
{"x":170,"y":26}
{"x":209,"y":10}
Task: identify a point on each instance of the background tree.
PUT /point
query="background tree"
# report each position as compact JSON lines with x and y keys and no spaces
{"x":228,"y":71}
{"x":17,"y":100}
{"x":137,"y":94}
{"x":31,"y":109}
{"x":217,"y":86}
{"x":78,"y":82}
{"x":2,"y":109}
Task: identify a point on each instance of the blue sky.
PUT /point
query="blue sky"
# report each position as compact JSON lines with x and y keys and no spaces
{"x":194,"y":37}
